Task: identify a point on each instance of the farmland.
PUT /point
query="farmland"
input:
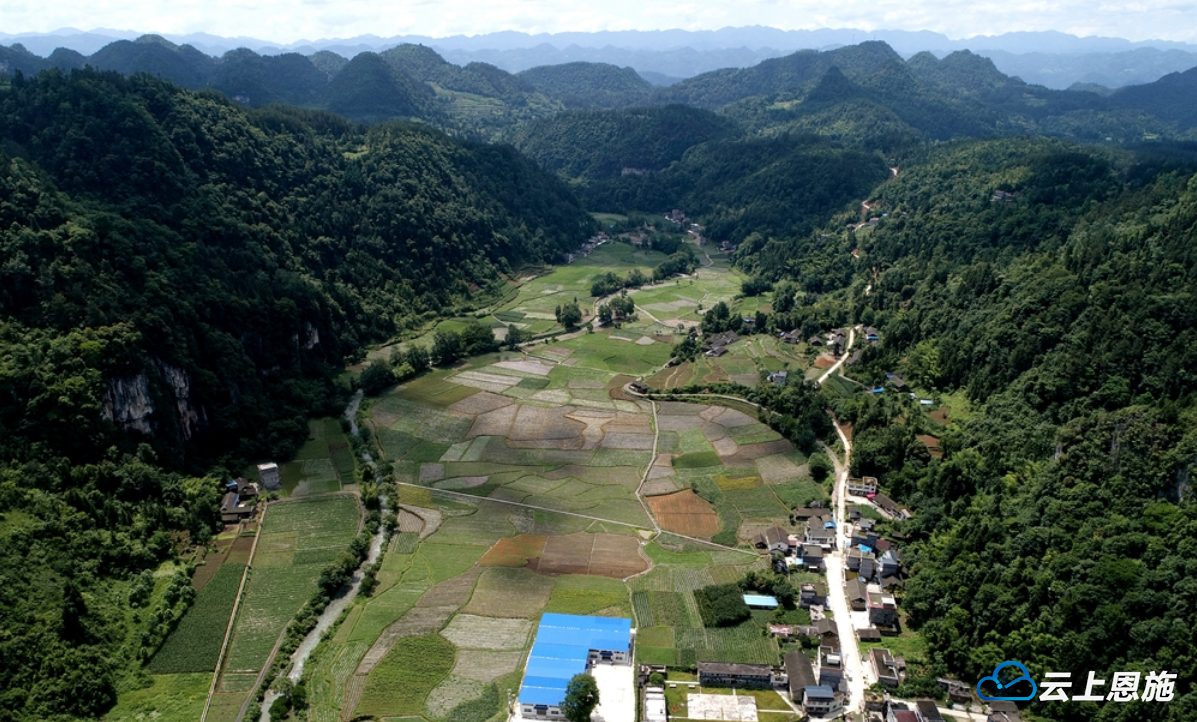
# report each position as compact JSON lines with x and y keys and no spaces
{"x":529,"y":481}
{"x":195,"y":643}
{"x":298,"y":539}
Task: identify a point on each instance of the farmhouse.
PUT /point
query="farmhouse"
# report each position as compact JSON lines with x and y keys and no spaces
{"x":890,"y":507}
{"x":863,"y":486}
{"x":566,"y":645}
{"x":774,"y":539}
{"x":885,"y":666}
{"x":856,"y":595}
{"x":268,"y":475}
{"x":232,"y":510}
{"x":883,"y":610}
{"x":720,"y":674}
{"x":799,"y":674}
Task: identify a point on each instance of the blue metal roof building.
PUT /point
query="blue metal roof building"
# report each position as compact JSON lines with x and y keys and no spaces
{"x":760,"y":601}
{"x":562,"y":649}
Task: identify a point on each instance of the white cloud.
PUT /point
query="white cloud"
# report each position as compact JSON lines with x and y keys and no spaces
{"x":290,"y":20}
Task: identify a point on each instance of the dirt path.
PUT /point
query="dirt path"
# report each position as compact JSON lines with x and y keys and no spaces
{"x":228,"y":632}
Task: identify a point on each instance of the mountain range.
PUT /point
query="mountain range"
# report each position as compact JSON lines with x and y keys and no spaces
{"x":858,"y":92}
{"x":1053,"y":59}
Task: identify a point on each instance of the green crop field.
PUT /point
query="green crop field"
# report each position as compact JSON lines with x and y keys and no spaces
{"x":574,"y":594}
{"x":402,"y":681}
{"x":195,"y":643}
{"x":293,"y":549}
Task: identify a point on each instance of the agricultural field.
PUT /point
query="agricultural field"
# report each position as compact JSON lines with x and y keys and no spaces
{"x":195,"y":644}
{"x":324,"y":464}
{"x":299,"y":538}
{"x":529,"y":481}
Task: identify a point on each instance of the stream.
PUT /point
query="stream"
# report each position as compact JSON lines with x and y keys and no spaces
{"x":346,"y":595}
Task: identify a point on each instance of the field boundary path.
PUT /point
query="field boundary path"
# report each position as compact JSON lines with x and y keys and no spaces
{"x":228,"y":632}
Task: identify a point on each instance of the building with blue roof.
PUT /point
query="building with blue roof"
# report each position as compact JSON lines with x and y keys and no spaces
{"x":760,"y":601}
{"x":567,"y":645}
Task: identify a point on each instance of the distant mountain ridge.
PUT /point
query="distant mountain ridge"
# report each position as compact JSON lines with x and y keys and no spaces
{"x":1050,"y":58}
{"x":864,"y":94}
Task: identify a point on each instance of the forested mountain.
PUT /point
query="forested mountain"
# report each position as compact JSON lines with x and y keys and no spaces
{"x":598,"y":145}
{"x":780,"y":187}
{"x":861,"y":94}
{"x":1052,"y":286}
{"x":1172,"y":98}
{"x":181,"y":279}
{"x":589,"y":85}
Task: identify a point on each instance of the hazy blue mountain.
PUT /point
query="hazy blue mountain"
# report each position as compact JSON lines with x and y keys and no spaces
{"x":1172,"y":98}
{"x":1113,"y":70}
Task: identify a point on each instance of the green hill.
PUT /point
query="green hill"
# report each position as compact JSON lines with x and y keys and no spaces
{"x":183,"y":278}
{"x":590,"y":85}
{"x":595,"y":145}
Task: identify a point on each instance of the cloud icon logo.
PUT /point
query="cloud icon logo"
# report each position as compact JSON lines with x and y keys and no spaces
{"x":1023,"y":676}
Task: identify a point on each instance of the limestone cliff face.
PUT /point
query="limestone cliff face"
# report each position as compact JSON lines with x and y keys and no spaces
{"x":191,"y":417}
{"x":129,"y":403}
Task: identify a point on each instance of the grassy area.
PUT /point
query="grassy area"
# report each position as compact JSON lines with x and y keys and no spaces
{"x":299,"y":539}
{"x":171,"y":698}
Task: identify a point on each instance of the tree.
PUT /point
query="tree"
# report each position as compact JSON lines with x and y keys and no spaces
{"x":446,"y":347}
{"x":605,"y":314}
{"x":515,"y":336}
{"x":416,"y":356}
{"x":819,"y":465}
{"x":569,"y":315}
{"x":377,"y":377}
{"x":581,"y":697}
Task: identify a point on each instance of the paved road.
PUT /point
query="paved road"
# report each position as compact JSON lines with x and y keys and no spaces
{"x":837,"y":597}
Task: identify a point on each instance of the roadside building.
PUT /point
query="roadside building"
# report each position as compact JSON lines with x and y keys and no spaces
{"x":822,"y":701}
{"x":830,"y":669}
{"x":857,"y":599}
{"x":862,"y":486}
{"x":885,"y":667}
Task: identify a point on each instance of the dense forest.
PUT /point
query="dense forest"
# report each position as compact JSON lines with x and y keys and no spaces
{"x":182,"y":279}
{"x":1058,"y":528}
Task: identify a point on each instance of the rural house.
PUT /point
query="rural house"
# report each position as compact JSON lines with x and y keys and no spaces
{"x":863,"y":486}
{"x":799,"y":675}
{"x":885,"y":667}
{"x":812,"y":593}
{"x":822,"y":701}
{"x":773,"y":539}
{"x":883,"y":610}
{"x":722,"y":674}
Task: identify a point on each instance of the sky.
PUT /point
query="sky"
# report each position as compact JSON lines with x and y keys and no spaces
{"x":286,"y":21}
